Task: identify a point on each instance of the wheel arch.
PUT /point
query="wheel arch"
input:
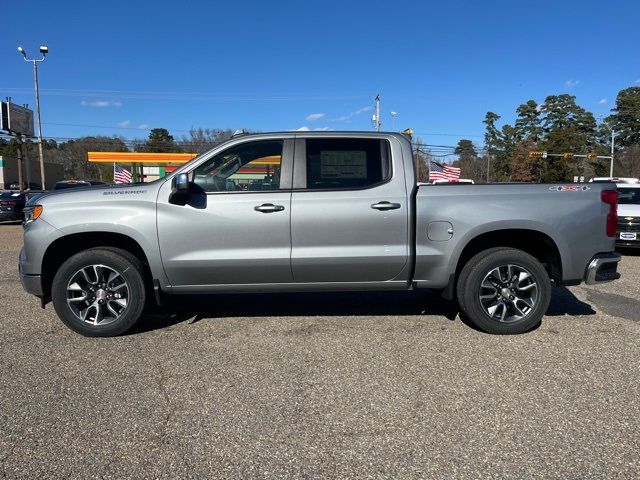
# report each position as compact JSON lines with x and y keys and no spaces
{"x":65,"y":247}
{"x":534,"y":242}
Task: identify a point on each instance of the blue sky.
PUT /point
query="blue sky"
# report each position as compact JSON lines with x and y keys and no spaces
{"x":123,"y":67}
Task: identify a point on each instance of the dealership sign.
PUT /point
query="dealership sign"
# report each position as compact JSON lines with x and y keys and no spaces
{"x":16,"y":119}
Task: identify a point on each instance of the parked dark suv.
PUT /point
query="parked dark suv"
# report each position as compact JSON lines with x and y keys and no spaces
{"x":75,"y":184}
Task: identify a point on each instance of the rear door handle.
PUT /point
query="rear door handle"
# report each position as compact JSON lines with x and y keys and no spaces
{"x":268,"y":208}
{"x":385,"y":206}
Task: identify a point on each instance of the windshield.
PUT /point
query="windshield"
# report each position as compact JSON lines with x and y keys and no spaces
{"x":10,"y":194}
{"x":629,"y":196}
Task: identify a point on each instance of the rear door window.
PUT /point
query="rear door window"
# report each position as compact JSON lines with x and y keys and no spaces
{"x":345,"y":163}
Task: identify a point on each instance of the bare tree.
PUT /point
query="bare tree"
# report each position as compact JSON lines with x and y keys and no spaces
{"x":202,"y":139}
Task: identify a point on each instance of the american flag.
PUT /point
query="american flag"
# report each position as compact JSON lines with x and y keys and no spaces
{"x":121,"y":175}
{"x":438,"y":171}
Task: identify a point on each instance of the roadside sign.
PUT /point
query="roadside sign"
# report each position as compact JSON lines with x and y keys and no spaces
{"x":16,"y":119}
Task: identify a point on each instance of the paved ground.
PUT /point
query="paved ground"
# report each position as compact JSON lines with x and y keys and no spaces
{"x":317,"y":386}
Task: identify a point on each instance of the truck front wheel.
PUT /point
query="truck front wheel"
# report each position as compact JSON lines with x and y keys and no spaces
{"x":504,"y":291}
{"x":99,"y":292}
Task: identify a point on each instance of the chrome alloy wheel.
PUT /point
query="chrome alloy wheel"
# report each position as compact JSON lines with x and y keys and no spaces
{"x":508,"y":293}
{"x":97,"y":294}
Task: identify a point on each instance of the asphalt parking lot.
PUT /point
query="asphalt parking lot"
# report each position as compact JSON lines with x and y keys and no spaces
{"x":322,"y":385}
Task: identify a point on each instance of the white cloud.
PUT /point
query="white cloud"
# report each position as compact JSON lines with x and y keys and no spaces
{"x":638,"y":81}
{"x":101,"y":103}
{"x":323,"y":129}
{"x":571,"y":83}
{"x":143,"y":126}
{"x":602,"y":101}
{"x":124,"y":124}
{"x":344,"y":118}
{"x":304,"y":128}
{"x":362,"y":110}
{"x":314,"y":116}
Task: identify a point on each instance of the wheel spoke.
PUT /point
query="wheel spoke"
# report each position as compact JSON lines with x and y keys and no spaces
{"x":527,"y":301}
{"x":78,"y":299}
{"x":98,"y":316}
{"x":99,"y":272}
{"x":121,"y":301}
{"x":523,"y":276}
{"x":86,"y":276}
{"x":85,"y":313}
{"x":112,"y":310}
{"x":112,"y":276}
{"x":504,"y":312}
{"x":517,"y":309}
{"x":75,"y":287}
{"x":495,"y":274}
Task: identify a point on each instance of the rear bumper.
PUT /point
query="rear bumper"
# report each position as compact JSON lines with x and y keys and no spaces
{"x":602,"y":268}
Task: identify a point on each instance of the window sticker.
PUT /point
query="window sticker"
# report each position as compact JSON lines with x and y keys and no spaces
{"x":343,"y":164}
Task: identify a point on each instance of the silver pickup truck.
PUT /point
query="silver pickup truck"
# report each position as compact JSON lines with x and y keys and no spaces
{"x":320,"y":211}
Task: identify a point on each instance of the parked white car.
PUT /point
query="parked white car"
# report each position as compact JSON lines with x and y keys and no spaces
{"x":467,"y":181}
{"x":614,"y":180}
{"x":628,"y":234}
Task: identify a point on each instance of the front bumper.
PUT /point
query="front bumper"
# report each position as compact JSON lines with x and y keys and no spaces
{"x":31,"y":283}
{"x":622,"y":243}
{"x":602,"y":268}
{"x":10,"y":216}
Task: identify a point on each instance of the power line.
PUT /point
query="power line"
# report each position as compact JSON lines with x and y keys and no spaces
{"x":187,"y":95}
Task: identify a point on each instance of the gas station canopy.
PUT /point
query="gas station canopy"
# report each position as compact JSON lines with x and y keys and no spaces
{"x":136,"y":157}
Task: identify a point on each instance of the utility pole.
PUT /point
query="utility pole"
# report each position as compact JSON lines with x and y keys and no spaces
{"x":19,"y":154}
{"x":488,"y":159}
{"x":378,"y":123}
{"x":393,"y":121}
{"x":43,"y":50}
{"x":613,"y":140}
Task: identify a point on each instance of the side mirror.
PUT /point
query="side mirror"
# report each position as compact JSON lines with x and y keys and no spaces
{"x":179,"y":186}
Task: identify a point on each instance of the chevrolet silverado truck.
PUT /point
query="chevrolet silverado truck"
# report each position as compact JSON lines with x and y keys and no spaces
{"x":319,"y":211}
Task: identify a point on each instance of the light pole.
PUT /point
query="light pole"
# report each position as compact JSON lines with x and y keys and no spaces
{"x":43,"y":50}
{"x":393,"y":121}
{"x":613,"y":141}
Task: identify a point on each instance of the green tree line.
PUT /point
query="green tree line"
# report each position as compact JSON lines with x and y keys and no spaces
{"x":558,"y":125}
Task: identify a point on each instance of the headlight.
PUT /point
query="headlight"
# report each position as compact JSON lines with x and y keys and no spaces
{"x":32,"y":213}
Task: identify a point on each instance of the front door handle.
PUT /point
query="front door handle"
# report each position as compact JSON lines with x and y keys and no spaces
{"x":385,"y":206}
{"x":268,"y":208}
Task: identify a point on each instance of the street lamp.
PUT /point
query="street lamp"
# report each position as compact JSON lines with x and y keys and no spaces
{"x":43,"y":50}
{"x":393,"y":121}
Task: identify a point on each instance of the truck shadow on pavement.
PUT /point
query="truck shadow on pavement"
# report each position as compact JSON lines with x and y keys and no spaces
{"x":196,"y":308}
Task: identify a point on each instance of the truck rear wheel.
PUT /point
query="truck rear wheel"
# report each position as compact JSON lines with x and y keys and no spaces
{"x":504,"y":291}
{"x":99,"y":292}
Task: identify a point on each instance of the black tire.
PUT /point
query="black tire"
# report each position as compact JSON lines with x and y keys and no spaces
{"x":469,"y":290}
{"x":131,"y":271}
